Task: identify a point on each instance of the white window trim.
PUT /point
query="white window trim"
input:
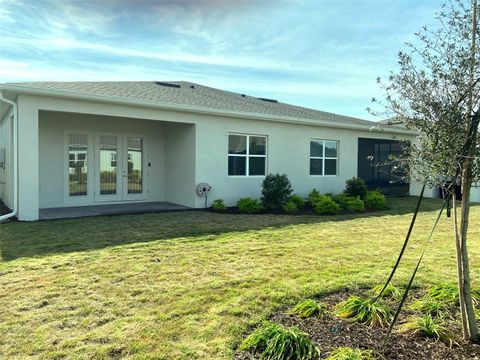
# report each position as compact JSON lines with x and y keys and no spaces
{"x":248,"y":156}
{"x":323,"y":158}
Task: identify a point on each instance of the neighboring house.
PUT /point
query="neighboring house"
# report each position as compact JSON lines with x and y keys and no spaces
{"x":87,"y":143}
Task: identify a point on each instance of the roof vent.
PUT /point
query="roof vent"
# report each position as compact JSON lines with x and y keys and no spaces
{"x":243,"y":95}
{"x":192,"y":86}
{"x":268,"y":100}
{"x":161,"y":83}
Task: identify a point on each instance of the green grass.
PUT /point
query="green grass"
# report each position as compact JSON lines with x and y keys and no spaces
{"x":365,"y":311}
{"x":429,"y":326}
{"x":347,"y":353}
{"x":309,"y":307}
{"x":391,"y":292}
{"x":189,"y":285}
{"x":275,"y":342}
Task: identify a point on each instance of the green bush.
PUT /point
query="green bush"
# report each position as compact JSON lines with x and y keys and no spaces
{"x":365,"y":311}
{"x":375,"y":200}
{"x":298,"y":200}
{"x":326,"y":206}
{"x":308,"y":308}
{"x":276,"y":342}
{"x":290,"y":207}
{"x":249,"y":206}
{"x":347,"y":353}
{"x":355,"y":205}
{"x":428,"y":326}
{"x":341,"y":200}
{"x":356,"y":187}
{"x":276,"y":189}
{"x":219,"y":205}
{"x":313,"y":197}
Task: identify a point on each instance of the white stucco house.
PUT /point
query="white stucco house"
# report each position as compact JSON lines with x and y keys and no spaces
{"x":68,"y":144}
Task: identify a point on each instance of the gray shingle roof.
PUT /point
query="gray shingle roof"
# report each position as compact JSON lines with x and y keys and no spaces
{"x":192,"y":94}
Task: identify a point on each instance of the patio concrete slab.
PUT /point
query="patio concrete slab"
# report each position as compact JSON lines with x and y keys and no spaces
{"x":109,"y":209}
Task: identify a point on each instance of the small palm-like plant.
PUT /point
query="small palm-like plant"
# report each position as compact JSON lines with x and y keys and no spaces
{"x":428,"y":326}
{"x":365,"y":311}
{"x":308,"y":308}
{"x":347,"y":353}
{"x":391,"y":292}
{"x":276,"y":342}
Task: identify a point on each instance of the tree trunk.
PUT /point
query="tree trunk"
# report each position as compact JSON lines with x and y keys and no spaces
{"x":460,"y":270}
{"x":464,"y":280}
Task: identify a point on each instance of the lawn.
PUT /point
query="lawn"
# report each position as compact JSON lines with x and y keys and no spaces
{"x":188,"y":284}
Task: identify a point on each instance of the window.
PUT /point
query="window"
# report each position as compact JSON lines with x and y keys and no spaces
{"x":77,"y":164}
{"x":323,"y":157}
{"x":247,"y":155}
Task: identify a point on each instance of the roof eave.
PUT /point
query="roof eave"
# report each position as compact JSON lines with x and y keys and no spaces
{"x":197,"y":109}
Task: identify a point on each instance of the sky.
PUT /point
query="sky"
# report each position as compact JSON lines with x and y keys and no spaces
{"x":320,"y":54}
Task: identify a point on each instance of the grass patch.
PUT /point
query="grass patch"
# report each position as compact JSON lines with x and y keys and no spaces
{"x":391,"y":292}
{"x":428,"y":326}
{"x":189,"y":284}
{"x":364,"y":311}
{"x":309,"y":308}
{"x":347,"y":353}
{"x":276,"y":342}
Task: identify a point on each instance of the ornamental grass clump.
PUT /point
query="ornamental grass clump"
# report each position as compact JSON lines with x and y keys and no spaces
{"x":309,"y":308}
{"x":446,"y":293}
{"x":391,"y":292}
{"x":348,"y":353}
{"x":430,"y":306}
{"x":276,"y":342}
{"x":428,"y":326}
{"x":364,"y":311}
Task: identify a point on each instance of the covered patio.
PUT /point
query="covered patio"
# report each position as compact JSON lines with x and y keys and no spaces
{"x":109,"y":209}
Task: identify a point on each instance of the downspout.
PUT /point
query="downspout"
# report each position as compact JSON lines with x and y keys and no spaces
{"x":15,"y":158}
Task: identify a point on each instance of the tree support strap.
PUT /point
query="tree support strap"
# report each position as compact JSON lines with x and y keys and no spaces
{"x":405,"y":243}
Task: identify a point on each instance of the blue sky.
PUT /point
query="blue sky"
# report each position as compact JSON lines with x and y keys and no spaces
{"x":320,"y":54}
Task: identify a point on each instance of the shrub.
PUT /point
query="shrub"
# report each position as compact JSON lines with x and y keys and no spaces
{"x":279,"y":343}
{"x":428,"y":326}
{"x":309,"y":308}
{"x":355,"y":205}
{"x":347,"y":353}
{"x":391,"y":292}
{"x":356,"y":187}
{"x":298,"y":200}
{"x":219,"y":205}
{"x":341,"y":200}
{"x":326,"y":206}
{"x":275,"y":191}
{"x":375,"y":200}
{"x":365,"y":311}
{"x":313,"y":197}
{"x":249,"y":206}
{"x":290,"y":207}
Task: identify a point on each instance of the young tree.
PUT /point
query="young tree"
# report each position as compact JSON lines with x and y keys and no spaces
{"x":437,"y":93}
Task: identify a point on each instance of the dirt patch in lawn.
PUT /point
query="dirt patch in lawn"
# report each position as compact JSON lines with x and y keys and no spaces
{"x":332,"y":332}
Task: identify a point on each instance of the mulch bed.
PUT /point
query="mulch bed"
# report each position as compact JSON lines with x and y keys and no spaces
{"x":333,"y":332}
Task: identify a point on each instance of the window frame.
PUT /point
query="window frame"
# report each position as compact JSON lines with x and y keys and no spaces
{"x":247,"y":155}
{"x":323,"y":158}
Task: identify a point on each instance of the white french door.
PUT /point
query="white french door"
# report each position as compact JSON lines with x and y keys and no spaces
{"x":119,"y":167}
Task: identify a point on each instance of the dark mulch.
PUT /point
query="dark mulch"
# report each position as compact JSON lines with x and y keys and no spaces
{"x":333,"y":332}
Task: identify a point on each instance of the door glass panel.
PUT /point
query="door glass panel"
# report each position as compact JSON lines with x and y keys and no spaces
{"x":77,"y":164}
{"x":135,"y":165}
{"x":108,"y":165}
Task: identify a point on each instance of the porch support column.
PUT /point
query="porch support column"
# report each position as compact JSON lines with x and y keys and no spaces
{"x":28,"y":186}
